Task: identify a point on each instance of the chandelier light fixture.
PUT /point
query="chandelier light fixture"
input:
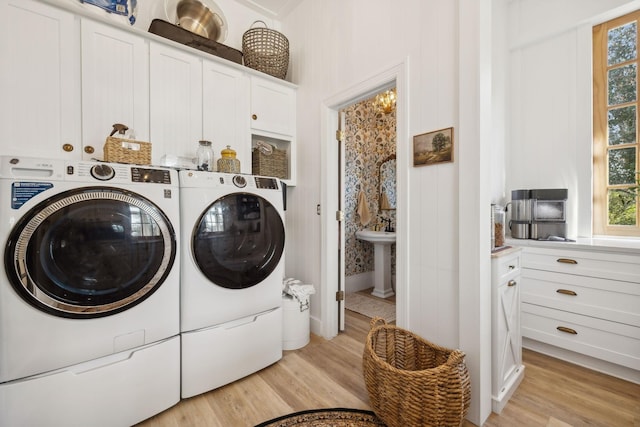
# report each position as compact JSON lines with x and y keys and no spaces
{"x":385,"y":102}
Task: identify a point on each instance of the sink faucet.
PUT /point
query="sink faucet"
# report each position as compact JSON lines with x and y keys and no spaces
{"x":388,"y":227}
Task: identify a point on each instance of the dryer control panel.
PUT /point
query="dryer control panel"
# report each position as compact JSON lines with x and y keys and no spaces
{"x":268,"y":183}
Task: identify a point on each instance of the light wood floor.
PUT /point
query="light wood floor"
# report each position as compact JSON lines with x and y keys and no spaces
{"x":327,"y":374}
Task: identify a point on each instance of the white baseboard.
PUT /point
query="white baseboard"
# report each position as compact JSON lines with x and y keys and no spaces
{"x":362,"y":281}
{"x":358,"y":282}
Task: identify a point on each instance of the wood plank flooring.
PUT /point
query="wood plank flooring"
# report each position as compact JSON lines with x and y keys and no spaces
{"x":327,"y":374}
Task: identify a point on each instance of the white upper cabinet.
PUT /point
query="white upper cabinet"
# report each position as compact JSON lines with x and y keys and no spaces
{"x":175,"y":102}
{"x":273,"y":107}
{"x":40,"y":80}
{"x":226,"y":111}
{"x":115,"y":84}
{"x":68,"y":78}
{"x":273,"y":121}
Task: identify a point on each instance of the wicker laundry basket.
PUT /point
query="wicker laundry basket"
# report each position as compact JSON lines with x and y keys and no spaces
{"x":412,"y":382}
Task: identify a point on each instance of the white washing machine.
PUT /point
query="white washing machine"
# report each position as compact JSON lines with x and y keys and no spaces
{"x":89,"y":292}
{"x":232,"y":269}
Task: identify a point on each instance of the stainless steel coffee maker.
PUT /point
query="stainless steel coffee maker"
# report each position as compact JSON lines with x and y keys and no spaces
{"x":549,"y":214}
{"x":539,"y":214}
{"x":520,"y":223}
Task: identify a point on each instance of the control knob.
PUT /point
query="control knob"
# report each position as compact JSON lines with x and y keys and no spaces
{"x":239,"y":181}
{"x":102,"y":172}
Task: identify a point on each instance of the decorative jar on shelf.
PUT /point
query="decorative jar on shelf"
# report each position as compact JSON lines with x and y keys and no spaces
{"x":228,"y":162}
{"x":204,"y":156}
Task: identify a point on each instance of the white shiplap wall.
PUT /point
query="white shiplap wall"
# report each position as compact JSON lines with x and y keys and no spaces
{"x":336,"y":45}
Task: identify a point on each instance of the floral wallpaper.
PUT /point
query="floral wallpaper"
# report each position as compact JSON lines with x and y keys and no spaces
{"x":370,"y":138}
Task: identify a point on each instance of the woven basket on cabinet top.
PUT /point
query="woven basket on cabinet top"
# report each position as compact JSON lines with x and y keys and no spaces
{"x":266,"y":50}
{"x":123,"y":150}
{"x":412,"y":382}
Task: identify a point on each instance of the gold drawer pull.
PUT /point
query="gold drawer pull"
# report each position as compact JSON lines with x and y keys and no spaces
{"x":567,"y":330}
{"x":512,"y":283}
{"x":566,"y":292}
{"x":567,"y":261}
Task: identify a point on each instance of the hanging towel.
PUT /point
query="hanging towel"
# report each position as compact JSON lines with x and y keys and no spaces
{"x":384,"y":201}
{"x":363,"y":209}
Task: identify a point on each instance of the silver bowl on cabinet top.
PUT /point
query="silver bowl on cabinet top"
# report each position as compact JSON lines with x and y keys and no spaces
{"x":194,"y":16}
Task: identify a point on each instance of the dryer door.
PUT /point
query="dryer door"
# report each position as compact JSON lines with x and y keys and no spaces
{"x":238,"y":240}
{"x":90,"y":252}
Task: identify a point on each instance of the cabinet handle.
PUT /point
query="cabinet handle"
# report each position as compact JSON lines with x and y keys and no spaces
{"x":512,"y":283}
{"x":567,"y":330}
{"x":89,"y":149}
{"x":511,"y":267}
{"x":67,"y":147}
{"x":567,"y":261}
{"x":566,"y":292}
{"x":254,"y":117}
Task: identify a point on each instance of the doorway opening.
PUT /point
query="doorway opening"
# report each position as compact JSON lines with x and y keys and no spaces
{"x":333,"y":199}
{"x":368,"y":134}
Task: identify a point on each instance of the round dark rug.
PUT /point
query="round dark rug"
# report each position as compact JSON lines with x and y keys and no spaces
{"x":334,"y":417}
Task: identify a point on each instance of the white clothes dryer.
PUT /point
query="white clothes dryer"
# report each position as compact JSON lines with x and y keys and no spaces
{"x":89,"y":292}
{"x":233,"y":240}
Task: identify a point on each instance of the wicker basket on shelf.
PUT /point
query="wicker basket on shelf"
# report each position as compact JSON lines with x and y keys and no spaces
{"x":412,"y":382}
{"x":274,"y":164}
{"x":266,"y":50}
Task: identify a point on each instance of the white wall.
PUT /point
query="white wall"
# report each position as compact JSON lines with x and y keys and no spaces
{"x":549,"y":135}
{"x":337,"y":44}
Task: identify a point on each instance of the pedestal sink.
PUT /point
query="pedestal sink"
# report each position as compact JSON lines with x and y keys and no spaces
{"x":382,"y":241}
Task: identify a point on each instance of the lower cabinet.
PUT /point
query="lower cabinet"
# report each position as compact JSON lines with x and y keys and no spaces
{"x":583,"y":307}
{"x":507,"y":368}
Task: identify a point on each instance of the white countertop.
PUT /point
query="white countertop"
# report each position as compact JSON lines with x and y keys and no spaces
{"x":505,"y":250}
{"x":613,"y":244}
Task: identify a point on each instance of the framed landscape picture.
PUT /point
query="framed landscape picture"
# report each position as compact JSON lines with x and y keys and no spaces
{"x":433,"y":147}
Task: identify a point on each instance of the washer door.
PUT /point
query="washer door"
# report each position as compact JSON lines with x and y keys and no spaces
{"x":90,"y":252}
{"x":238,"y":240}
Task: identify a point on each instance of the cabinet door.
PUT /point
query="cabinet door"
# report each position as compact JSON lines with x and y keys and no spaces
{"x":508,"y":345}
{"x":40,"y":83}
{"x":273,"y":107}
{"x":226,"y":110}
{"x":115,"y":84}
{"x":176,"y":102}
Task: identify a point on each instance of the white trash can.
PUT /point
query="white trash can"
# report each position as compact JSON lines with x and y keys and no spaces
{"x":295,"y":323}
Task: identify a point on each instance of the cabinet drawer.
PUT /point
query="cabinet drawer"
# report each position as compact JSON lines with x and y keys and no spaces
{"x":506,"y":266}
{"x":610,"y":341}
{"x":612,"y":300}
{"x":594,"y":264}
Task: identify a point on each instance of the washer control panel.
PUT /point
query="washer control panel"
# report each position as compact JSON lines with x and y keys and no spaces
{"x":156,"y":176}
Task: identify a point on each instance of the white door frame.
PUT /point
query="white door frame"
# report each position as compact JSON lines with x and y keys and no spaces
{"x":329,"y":197}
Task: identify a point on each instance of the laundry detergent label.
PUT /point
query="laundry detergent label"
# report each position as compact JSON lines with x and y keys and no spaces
{"x":126,"y":8}
{"x":112,"y":6}
{"x":22,"y":192}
